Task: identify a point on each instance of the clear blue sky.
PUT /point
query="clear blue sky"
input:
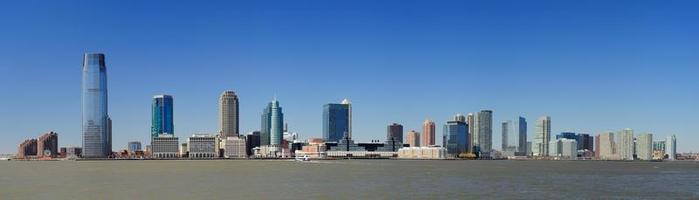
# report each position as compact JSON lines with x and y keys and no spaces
{"x":591,"y":65}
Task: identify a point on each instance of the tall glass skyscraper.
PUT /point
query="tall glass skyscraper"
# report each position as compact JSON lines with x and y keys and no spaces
{"x":276,"y":124}
{"x":266,"y":125}
{"x":542,"y":137}
{"x":162,"y":116}
{"x":483,"y":132}
{"x":455,"y":137}
{"x":96,"y":124}
{"x":337,"y":121}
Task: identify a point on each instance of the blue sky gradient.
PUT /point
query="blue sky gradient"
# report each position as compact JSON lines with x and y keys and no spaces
{"x":593,"y":66}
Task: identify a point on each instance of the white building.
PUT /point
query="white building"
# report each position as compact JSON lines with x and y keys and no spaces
{"x":543,"y":137}
{"x":563,"y":149}
{"x":644,"y":146}
{"x":165,"y":146}
{"x":671,"y":147}
{"x":202,"y":146}
{"x":234,"y":147}
{"x":422,"y":153}
{"x":624,"y":144}
{"x":607,"y":146}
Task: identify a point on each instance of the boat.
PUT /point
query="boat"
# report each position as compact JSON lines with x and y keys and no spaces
{"x":305,"y":158}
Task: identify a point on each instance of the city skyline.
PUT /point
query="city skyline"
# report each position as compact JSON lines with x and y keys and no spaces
{"x":598,"y":79}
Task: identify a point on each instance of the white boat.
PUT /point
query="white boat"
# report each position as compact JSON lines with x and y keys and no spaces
{"x":305,"y":158}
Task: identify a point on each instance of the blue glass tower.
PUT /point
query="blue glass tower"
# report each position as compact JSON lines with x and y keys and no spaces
{"x":276,"y":124}
{"x":162,"y":116}
{"x":266,"y":125}
{"x":96,"y":124}
{"x":456,"y":137}
{"x":336,"y":121}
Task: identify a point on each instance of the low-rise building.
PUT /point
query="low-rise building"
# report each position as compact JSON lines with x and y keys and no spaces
{"x":202,"y":146}
{"x":165,"y":146}
{"x":314,"y":149}
{"x":422,"y":153}
{"x":235,"y":147}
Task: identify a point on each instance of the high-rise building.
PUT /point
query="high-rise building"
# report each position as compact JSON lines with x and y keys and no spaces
{"x":26,"y":149}
{"x":505,"y":145}
{"x":624,"y":144}
{"x":252,"y":140}
{"x":542,"y":137}
{"x":456,"y":135}
{"x":413,"y":138}
{"x":563,"y":148}
{"x":395,"y":132}
{"x":47,"y":145}
{"x":606,"y":145}
{"x":514,"y":137}
{"x":134,"y":146}
{"x":585,"y":141}
{"x":276,"y":124}
{"x":229,"y":114}
{"x":671,"y":147}
{"x":520,"y":128}
{"x":337,"y":121}
{"x":484,"y":132}
{"x":162,"y":116}
{"x":96,"y":124}
{"x":471,"y":121}
{"x":428,"y":133}
{"x":644,"y":146}
{"x":266,"y":125}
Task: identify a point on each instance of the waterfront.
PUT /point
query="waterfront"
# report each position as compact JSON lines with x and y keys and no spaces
{"x":347,"y":179}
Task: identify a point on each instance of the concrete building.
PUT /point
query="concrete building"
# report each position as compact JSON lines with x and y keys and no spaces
{"x":235,"y":147}
{"x":483,"y":133}
{"x":413,"y":138}
{"x":563,"y":149}
{"x":644,"y":146}
{"x":47,"y":145}
{"x":134,"y":146}
{"x":74,"y":152}
{"x":26,"y":149}
{"x":607,"y":150}
{"x":394,"y":131}
{"x":165,"y":146}
{"x":542,"y":137}
{"x":202,"y":146}
{"x":659,"y":150}
{"x":471,"y":122}
{"x":315,"y":148}
{"x":429,"y":153}
{"x":624,"y":144}
{"x":252,"y":140}
{"x":428,"y":133}
{"x":228,"y":109}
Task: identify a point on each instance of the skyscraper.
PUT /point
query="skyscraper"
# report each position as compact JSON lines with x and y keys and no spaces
{"x":471,"y":121}
{"x":413,"y":138}
{"x":276,"y":124}
{"x":266,"y":125}
{"x":624,"y":144}
{"x":456,"y":135}
{"x":606,"y":146}
{"x":96,"y":124}
{"x":505,"y":145}
{"x":47,"y":145}
{"x":671,"y":147}
{"x":484,"y":132}
{"x":520,"y":128}
{"x":644,"y":146}
{"x":162,"y":116}
{"x":229,"y":114}
{"x":542,"y":137}
{"x":395,"y":132}
{"x":337,"y":121}
{"x":428,"y":133}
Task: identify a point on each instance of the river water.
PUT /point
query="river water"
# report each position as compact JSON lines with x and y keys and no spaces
{"x":348,"y":179}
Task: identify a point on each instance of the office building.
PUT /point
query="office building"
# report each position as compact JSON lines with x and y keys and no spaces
{"x":165,"y":146}
{"x":482,"y":137}
{"x":134,"y":146}
{"x":607,"y":150}
{"x":456,"y":136}
{"x":624,"y":144}
{"x":162,"y":116}
{"x":394,"y":132}
{"x":337,"y":121}
{"x":563,"y":149}
{"x":585,"y":142}
{"x":229,"y":114}
{"x":252,"y":140}
{"x":659,"y":150}
{"x":644,"y":146}
{"x":426,"y":153}
{"x":201,"y":146}
{"x":413,"y":138}
{"x":428,"y":133}
{"x":96,"y":124}
{"x":235,"y":147}
{"x":471,"y":122}
{"x":74,"y":152}
{"x":47,"y":145}
{"x":542,"y":137}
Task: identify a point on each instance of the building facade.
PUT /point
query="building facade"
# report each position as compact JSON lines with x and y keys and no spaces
{"x":483,"y":142}
{"x":337,"y":120}
{"x":428,"y":153}
{"x":542,"y":137}
{"x":671,"y":147}
{"x":229,"y":114}
{"x":413,"y":138}
{"x":456,"y":136}
{"x":202,"y":146}
{"x":165,"y":146}
{"x":252,"y":140}
{"x":162,"y":122}
{"x":624,"y":144}
{"x":96,"y":124}
{"x":26,"y":149}
{"x":394,"y":131}
{"x":235,"y":148}
{"x":134,"y":146}
{"x":607,"y":150}
{"x":428,"y":133}
{"x":47,"y":145}
{"x":471,"y":121}
{"x":644,"y":146}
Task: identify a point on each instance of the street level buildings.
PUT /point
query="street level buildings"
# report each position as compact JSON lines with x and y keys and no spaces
{"x":235,"y":147}
{"x":96,"y":124}
{"x":229,"y":114}
{"x":428,"y":153}
{"x":202,"y":146}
